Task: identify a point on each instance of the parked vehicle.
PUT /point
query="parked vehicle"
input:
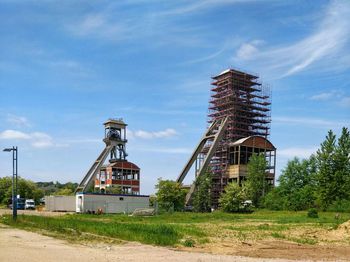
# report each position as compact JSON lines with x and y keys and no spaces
{"x":29,"y":204}
{"x":20,"y":203}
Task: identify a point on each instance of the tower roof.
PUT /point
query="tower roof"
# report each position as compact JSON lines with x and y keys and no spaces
{"x":122,"y":165}
{"x":115,"y":121}
{"x":234,"y":71}
{"x":254,"y":141}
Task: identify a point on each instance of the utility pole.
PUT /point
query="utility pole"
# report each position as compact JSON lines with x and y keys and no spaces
{"x":14,"y":179}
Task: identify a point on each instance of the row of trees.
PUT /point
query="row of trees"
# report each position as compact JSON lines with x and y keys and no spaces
{"x":33,"y":190}
{"x":26,"y":189}
{"x":321,"y":181}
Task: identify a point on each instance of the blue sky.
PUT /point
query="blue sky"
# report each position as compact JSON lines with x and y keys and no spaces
{"x":66,"y":66}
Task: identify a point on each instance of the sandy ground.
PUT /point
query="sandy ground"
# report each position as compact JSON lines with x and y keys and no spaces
{"x":18,"y":245}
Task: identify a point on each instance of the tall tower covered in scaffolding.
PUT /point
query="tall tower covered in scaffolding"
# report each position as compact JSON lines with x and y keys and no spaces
{"x":239,"y":125}
{"x":246,"y":102}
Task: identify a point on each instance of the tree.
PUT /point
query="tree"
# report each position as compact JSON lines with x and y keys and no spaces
{"x":26,"y":189}
{"x":297,"y":184}
{"x":323,"y":180}
{"x":232,"y":200}
{"x":202,"y":195}
{"x":274,"y":200}
{"x":170,"y":194}
{"x":64,"y":192}
{"x":327,"y":180}
{"x":256,"y":178}
{"x":5,"y":190}
{"x":342,"y":164}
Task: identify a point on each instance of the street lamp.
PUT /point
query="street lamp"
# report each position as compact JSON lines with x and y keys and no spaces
{"x":14,"y":180}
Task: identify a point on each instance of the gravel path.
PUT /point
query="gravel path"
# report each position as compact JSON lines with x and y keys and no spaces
{"x":18,"y":245}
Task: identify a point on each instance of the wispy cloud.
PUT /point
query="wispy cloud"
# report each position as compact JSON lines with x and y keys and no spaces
{"x":200,"y":6}
{"x":337,"y":97}
{"x":117,"y":23}
{"x":19,"y":121}
{"x":322,"y":48}
{"x":36,"y":139}
{"x":169,"y":132}
{"x":205,"y":58}
{"x":102,"y":25}
{"x":248,"y":50}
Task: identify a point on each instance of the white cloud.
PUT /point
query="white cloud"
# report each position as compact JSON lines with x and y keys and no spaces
{"x":301,"y":152}
{"x":13,"y":134}
{"x":169,"y":132}
{"x":247,"y":50}
{"x":36,"y":139}
{"x":17,"y":120}
{"x":323,"y":48}
{"x":41,"y":140}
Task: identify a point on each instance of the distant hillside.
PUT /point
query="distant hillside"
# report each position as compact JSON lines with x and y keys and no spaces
{"x":56,"y":188}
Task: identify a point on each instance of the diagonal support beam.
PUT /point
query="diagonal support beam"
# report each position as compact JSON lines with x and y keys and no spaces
{"x":214,"y":133}
{"x":90,"y":175}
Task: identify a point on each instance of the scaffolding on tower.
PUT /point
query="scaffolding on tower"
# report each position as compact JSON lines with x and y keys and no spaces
{"x":247,"y":104}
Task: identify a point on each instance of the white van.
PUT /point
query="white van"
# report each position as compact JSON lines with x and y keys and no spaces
{"x":30,"y":204}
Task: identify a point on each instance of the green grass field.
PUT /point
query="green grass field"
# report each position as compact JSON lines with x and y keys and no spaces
{"x":183,"y":229}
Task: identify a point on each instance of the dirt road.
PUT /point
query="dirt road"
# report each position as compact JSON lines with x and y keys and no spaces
{"x":18,"y":245}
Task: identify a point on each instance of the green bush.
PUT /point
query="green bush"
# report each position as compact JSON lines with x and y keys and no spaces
{"x":170,"y":195}
{"x":188,"y":242}
{"x":234,"y":198}
{"x":312,"y":212}
{"x":273,"y":200}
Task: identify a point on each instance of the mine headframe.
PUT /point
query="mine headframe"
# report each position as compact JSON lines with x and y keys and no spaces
{"x":115,"y":140}
{"x":210,"y":141}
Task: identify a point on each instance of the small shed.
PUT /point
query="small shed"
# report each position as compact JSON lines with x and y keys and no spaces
{"x":60,"y":203}
{"x":110,"y":203}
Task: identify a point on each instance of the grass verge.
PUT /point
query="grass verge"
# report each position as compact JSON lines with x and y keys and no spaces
{"x":184,"y":229}
{"x":156,"y":233}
